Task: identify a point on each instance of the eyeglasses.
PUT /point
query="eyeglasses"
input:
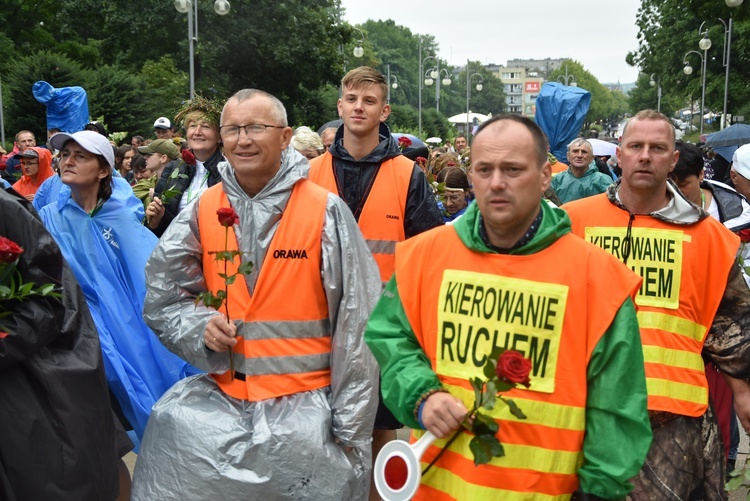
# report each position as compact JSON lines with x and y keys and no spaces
{"x":252,"y":130}
{"x":454,"y":198}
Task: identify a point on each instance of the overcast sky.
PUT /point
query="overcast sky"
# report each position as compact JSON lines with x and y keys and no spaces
{"x":597,"y":33}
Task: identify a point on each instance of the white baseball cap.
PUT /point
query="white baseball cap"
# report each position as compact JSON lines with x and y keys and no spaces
{"x":91,"y":141}
{"x":162,"y":123}
{"x":741,"y":161}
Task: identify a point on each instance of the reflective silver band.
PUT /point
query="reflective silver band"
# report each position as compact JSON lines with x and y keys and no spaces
{"x":382,"y":246}
{"x":274,"y":366}
{"x":254,"y":331}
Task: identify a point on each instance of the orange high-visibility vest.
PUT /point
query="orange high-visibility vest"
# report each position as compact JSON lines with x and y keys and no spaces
{"x":684,"y":270}
{"x":553,"y":306}
{"x":283,"y":347}
{"x":382,"y":217}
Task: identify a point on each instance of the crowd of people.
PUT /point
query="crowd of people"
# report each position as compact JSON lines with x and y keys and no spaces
{"x":256,"y":310}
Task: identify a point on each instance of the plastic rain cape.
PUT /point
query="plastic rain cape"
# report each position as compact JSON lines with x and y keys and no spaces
{"x":560,"y":112}
{"x":108,"y":254}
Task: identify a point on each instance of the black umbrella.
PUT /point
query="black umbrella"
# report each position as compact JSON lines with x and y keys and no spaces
{"x":736,"y":135}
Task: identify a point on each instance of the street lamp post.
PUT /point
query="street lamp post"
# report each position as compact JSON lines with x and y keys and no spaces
{"x":567,"y":79}
{"x":421,"y":78}
{"x":394,"y":85}
{"x":653,"y":82}
{"x":358,"y":50}
{"x":726,"y":54}
{"x":469,"y":76}
{"x":221,"y":7}
{"x":434,"y":77}
{"x":688,"y":70}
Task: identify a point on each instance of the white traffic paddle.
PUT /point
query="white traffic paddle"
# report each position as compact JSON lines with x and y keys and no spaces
{"x":397,"y":469}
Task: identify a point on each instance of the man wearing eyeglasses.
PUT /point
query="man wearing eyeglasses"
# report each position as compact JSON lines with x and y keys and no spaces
{"x":294,"y":416}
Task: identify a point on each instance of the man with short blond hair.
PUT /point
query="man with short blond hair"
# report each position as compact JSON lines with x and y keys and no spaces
{"x":387,"y":193}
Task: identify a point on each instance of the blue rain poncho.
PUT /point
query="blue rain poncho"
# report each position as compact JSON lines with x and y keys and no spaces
{"x":108,"y":253}
{"x":560,"y":112}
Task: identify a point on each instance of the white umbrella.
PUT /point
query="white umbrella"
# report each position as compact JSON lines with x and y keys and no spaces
{"x":603,"y":148}
{"x":433,"y":140}
{"x":461,"y":118}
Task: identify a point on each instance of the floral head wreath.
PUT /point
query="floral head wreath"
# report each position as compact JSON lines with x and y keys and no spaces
{"x":209,"y":109}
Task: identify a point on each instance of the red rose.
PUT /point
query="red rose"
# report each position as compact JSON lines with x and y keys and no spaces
{"x":404,"y":142}
{"x":188,"y":157}
{"x":421,"y":161}
{"x":227,"y":216}
{"x":744,"y":235}
{"x":9,"y":250}
{"x":513,"y":368}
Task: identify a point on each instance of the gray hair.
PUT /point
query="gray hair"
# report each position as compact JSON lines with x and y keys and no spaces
{"x":579,"y":141}
{"x":277,"y":108}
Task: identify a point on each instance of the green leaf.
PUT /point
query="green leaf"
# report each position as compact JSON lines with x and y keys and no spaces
{"x":222,"y":256}
{"x":496,"y":352}
{"x":484,"y":425}
{"x":230,"y":279}
{"x":484,"y":448}
{"x":26,"y":288}
{"x":481,"y":451}
{"x":489,"y":368}
{"x":246,"y":267}
{"x":489,"y":397}
{"x":216,"y":303}
{"x":46,"y":289}
{"x":221,"y":294}
{"x":4,"y":291}
{"x":478,"y":386}
{"x":502,"y":386}
{"x":203,"y":297}
{"x":514,"y":409}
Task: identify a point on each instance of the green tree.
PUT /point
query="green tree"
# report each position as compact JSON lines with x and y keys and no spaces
{"x":165,"y":87}
{"x":604,"y":106}
{"x":490,"y":100}
{"x":117,"y":95}
{"x":317,"y":107}
{"x":668,"y":29}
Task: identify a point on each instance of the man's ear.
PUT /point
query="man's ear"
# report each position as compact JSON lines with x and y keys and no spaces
{"x":385,"y":112}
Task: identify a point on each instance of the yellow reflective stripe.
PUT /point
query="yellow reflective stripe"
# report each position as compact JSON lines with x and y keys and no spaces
{"x":560,"y":416}
{"x":677,"y":391}
{"x":671,"y":323}
{"x":673,"y":358}
{"x":526,"y":457}
{"x":458,"y":488}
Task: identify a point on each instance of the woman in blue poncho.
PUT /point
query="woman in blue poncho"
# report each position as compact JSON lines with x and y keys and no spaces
{"x":107,"y":248}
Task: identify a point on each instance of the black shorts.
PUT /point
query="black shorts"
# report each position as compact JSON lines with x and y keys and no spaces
{"x":384,"y":419}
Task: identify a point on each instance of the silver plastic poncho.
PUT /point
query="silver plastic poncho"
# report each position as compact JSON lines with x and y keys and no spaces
{"x":201,"y":443}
